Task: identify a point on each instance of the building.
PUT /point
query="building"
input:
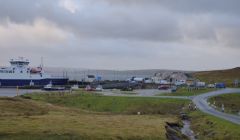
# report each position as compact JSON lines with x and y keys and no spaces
{"x":90,"y":78}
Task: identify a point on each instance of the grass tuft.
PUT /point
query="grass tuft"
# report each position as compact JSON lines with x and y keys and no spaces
{"x":231,"y":102}
{"x":209,"y":127}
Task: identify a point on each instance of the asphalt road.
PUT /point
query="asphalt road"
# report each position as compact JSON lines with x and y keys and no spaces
{"x":11,"y":92}
{"x":202,"y":104}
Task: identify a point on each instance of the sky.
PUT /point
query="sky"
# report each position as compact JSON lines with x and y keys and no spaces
{"x":122,"y":34}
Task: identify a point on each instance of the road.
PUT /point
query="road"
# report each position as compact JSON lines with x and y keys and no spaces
{"x":11,"y":92}
{"x":202,"y":104}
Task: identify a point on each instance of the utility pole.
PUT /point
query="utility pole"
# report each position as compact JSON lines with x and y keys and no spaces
{"x":236,"y":82}
{"x":17,"y":91}
{"x":41,"y":61}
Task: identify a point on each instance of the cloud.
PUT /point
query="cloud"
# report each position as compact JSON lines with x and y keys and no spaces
{"x":185,"y":6}
{"x":98,"y":19}
{"x":152,"y":20}
{"x":69,"y":5}
{"x":122,"y":33}
{"x":229,"y":36}
{"x":40,"y":31}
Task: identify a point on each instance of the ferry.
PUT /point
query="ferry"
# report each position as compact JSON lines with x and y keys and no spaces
{"x":20,"y":74}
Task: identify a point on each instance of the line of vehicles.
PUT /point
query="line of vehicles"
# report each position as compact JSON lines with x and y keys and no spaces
{"x":51,"y":87}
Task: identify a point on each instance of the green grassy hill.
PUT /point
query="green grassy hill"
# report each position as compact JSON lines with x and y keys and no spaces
{"x":89,"y":116}
{"x":86,"y":117}
{"x":228,"y":76}
{"x":231,"y":102}
{"x":20,"y":107}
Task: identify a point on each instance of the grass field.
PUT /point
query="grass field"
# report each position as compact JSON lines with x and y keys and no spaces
{"x":122,"y":105}
{"x":231,"y":102}
{"x":82,"y":116}
{"x":209,"y":127}
{"x":186,"y":92}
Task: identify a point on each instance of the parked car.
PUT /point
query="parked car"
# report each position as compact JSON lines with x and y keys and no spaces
{"x":220,"y":85}
{"x":211,"y":86}
{"x":127,"y":89}
{"x":74,"y":87}
{"x":163,"y":87}
{"x":173,"y":88}
{"x":99,"y":88}
{"x":50,"y":87}
{"x":88,"y":88}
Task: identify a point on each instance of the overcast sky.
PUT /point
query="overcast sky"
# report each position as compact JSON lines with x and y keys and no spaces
{"x":122,"y":34}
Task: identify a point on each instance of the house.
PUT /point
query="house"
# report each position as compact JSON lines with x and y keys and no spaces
{"x":180,"y":82}
{"x":191,"y":82}
{"x":177,"y":78}
{"x":90,"y":78}
{"x":148,"y":81}
{"x":200,"y":84}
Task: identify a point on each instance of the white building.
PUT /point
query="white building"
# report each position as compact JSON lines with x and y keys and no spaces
{"x":200,"y":84}
{"x":90,"y":78}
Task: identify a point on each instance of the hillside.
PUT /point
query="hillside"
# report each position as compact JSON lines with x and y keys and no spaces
{"x":79,"y":73}
{"x":55,"y":116}
{"x":228,"y":76}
